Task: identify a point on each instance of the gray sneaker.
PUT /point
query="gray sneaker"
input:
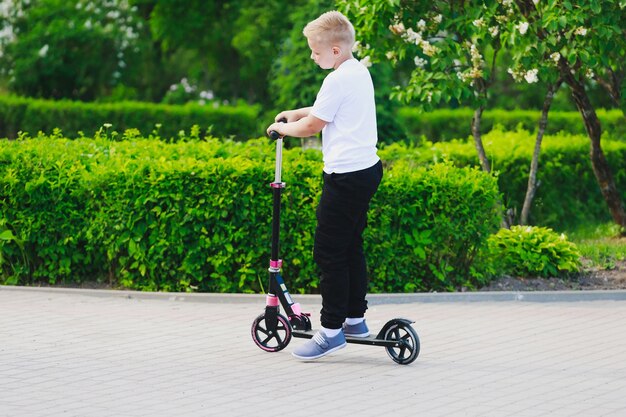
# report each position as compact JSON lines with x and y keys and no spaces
{"x":320,"y":345}
{"x":356,"y":330}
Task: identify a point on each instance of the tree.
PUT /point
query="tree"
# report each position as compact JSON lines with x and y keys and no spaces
{"x":294,"y":79}
{"x":91,"y":49}
{"x":453,"y":45}
{"x":232,"y":43}
{"x":76,"y":49}
{"x":578,"y":40}
{"x":452,"y":41}
{"x":534,"y":163}
{"x":512,"y":28}
{"x":610,"y":72}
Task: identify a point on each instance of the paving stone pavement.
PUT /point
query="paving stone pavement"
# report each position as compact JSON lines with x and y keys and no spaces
{"x":95,"y":353}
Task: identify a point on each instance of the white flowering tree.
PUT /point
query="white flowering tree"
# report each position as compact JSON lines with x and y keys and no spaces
{"x":67,"y":48}
{"x":452,"y":44}
{"x":576,"y":42}
{"x":515,"y":31}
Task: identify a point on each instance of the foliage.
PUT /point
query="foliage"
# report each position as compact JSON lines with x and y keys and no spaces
{"x":570,"y":42}
{"x":137,"y":49}
{"x":8,"y":245}
{"x":427,"y":232}
{"x":454,"y":45}
{"x":294,"y":78}
{"x":195,"y":215}
{"x":19,"y":114}
{"x":233,"y":43}
{"x":599,"y":244}
{"x":185,"y":92}
{"x":533,"y":251}
{"x":450,"y":43}
{"x":78,"y":118}
{"x":567,"y":195}
{"x":77,"y":49}
{"x":585,"y":39}
{"x":447,"y":124}
{"x":508,"y":94}
{"x":603,"y":253}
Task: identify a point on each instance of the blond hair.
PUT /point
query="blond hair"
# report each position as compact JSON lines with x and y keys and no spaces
{"x":331,"y":28}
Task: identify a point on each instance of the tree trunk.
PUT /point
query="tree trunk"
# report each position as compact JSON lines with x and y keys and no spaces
{"x":507,"y":219}
{"x":601,"y":168}
{"x":534,"y":164}
{"x":478,"y":142}
{"x":613,"y":85}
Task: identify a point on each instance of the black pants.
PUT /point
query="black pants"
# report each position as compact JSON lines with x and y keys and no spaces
{"x":338,"y":248}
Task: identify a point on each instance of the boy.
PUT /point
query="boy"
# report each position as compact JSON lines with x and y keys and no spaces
{"x":345,"y":113}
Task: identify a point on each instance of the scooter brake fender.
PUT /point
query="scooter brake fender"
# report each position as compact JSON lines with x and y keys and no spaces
{"x":390,"y":324}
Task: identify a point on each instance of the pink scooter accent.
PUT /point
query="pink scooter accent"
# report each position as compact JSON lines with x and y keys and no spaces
{"x":276,"y":264}
{"x":272,"y":301}
{"x":296,"y":309}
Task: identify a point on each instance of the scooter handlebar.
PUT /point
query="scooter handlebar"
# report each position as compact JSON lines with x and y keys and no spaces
{"x":274,"y":134}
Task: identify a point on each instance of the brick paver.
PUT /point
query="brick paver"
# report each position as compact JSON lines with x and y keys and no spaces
{"x":76,"y":354}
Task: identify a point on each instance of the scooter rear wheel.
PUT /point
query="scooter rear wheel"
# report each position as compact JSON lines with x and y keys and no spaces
{"x":271,"y":339}
{"x":409,"y":343}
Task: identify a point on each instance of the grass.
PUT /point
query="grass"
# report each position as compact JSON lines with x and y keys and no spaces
{"x":600,"y":244}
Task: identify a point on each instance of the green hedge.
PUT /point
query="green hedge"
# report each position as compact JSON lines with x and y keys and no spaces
{"x":71,"y":117}
{"x":195,"y":216}
{"x":444,"y":125}
{"x":244,"y":121}
{"x":568,"y":194}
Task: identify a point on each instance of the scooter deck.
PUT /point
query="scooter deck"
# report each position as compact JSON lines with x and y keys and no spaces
{"x":370,"y":340}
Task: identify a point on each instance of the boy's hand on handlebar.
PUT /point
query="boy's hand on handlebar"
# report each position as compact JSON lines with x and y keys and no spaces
{"x":275,"y":130}
{"x":286,"y":116}
{"x":276,"y":127}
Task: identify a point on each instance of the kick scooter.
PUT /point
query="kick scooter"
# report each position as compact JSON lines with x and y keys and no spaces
{"x":272,"y":331}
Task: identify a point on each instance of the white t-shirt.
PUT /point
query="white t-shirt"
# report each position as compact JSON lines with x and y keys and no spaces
{"x":346,"y":102}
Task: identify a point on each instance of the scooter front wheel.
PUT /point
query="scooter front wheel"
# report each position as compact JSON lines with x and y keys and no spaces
{"x":408,"y":346}
{"x":271,"y":337}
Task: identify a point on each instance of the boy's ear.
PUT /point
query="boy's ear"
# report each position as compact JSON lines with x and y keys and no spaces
{"x":336,"y":50}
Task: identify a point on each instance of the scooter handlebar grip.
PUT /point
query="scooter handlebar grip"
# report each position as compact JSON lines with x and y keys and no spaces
{"x":274,"y":134}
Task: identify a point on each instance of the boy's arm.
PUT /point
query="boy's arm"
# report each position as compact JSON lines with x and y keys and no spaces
{"x":304,"y":127}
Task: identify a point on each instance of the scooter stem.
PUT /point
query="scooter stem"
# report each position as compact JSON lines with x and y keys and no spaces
{"x":277,"y":186}
{"x":279,"y":160}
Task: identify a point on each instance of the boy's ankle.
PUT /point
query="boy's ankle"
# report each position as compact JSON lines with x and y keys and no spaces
{"x":331,"y":332}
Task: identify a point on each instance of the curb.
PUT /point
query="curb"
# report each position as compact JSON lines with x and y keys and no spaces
{"x":374,"y":299}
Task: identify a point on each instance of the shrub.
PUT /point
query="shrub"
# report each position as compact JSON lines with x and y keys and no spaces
{"x":8,"y":246}
{"x":568,"y":194}
{"x":533,"y":251}
{"x":70,"y":48}
{"x":448,"y":124}
{"x":428,"y":229}
{"x":195,"y":216}
{"x":72,"y":118}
